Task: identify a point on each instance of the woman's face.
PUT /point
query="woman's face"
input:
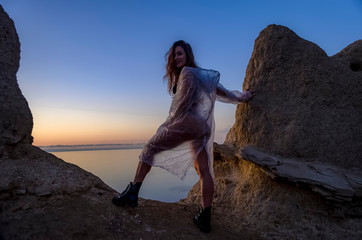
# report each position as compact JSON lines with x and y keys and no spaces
{"x":180,"y":57}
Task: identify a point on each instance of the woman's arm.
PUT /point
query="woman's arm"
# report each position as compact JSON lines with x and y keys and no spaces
{"x":234,"y":96}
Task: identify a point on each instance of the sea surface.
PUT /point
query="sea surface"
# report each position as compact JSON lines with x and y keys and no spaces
{"x":116,"y":167}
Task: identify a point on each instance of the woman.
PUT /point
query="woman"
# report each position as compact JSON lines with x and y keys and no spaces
{"x":187,"y":135}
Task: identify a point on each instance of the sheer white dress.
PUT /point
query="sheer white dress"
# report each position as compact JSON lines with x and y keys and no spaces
{"x":190,"y":126}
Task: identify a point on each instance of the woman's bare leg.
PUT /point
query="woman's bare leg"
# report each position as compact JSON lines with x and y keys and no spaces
{"x":207,"y":183}
{"x":141,"y":172}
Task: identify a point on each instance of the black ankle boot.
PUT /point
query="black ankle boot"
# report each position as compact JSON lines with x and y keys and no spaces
{"x":202,"y":219}
{"x":128,"y":196}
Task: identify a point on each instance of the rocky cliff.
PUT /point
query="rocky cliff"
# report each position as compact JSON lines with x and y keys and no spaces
{"x":16,"y":122}
{"x":305,"y":123}
{"x":258,"y":194}
{"x":291,"y":164}
{"x":308,"y":105}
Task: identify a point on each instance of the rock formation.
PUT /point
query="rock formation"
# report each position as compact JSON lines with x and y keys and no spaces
{"x":302,"y":131}
{"x":276,"y":209}
{"x":288,"y":124}
{"x":308,"y":105}
{"x":308,"y":109}
{"x":16,"y":122}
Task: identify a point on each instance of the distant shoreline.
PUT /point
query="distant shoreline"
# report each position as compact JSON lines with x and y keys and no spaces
{"x":90,"y":147}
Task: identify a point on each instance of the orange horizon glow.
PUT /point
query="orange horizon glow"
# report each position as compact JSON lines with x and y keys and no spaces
{"x":70,"y":141}
{"x":75,"y":127}
{"x":59,"y":126}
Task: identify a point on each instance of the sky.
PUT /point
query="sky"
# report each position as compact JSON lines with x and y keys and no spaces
{"x":92,"y":70}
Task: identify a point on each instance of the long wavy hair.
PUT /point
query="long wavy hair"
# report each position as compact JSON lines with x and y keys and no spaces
{"x":172,"y":72}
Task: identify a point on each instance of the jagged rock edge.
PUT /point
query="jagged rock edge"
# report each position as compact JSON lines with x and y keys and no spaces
{"x":330,"y":182}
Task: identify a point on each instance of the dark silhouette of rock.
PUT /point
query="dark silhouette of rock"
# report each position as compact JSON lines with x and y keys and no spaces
{"x":16,"y":121}
{"x":307,"y":110}
{"x":351,"y":56}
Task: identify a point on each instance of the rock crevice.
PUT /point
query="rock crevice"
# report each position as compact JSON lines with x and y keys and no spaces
{"x":331,"y":182}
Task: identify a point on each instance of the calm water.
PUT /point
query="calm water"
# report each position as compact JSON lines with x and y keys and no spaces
{"x":117,"y":167}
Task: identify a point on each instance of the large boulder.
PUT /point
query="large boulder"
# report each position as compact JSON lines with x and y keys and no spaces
{"x":16,"y":122}
{"x":304,"y":123}
{"x":307,"y":105}
{"x":302,"y":131}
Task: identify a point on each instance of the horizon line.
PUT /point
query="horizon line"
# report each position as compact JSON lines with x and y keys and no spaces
{"x":89,"y":145}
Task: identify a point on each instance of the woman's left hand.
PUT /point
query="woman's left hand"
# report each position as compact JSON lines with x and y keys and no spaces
{"x":246,"y":96}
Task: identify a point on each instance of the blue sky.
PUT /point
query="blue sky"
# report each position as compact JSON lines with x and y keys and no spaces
{"x":92,"y":70}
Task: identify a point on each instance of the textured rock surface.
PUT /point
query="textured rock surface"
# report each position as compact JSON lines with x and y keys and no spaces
{"x":276,"y":209}
{"x":307,"y":109}
{"x":16,"y":121}
{"x":42,"y":197}
{"x":308,"y":105}
{"x":331,"y":182}
{"x":302,"y":129}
